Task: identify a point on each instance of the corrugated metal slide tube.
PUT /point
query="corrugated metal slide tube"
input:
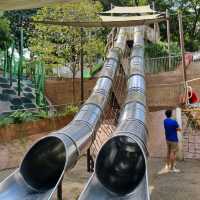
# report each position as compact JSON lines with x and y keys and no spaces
{"x":45,"y":163}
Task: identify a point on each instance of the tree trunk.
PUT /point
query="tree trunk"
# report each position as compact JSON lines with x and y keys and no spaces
{"x":73,"y":85}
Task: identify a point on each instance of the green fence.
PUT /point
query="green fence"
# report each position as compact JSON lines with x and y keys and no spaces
{"x":161,"y":64}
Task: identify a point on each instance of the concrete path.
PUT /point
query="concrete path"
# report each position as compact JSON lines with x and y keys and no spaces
{"x":170,"y":186}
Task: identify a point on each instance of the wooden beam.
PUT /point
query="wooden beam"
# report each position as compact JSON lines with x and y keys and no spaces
{"x":101,"y":23}
{"x":154,"y":25}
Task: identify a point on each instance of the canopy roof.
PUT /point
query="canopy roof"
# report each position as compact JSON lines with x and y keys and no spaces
{"x":27,"y":4}
{"x":129,"y":10}
{"x":110,"y":21}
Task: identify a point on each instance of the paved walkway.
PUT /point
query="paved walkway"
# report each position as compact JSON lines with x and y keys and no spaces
{"x":179,"y":186}
{"x":170,"y":186}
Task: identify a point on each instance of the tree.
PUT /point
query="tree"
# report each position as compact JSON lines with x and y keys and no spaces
{"x":191,"y":20}
{"x":5,"y":42}
{"x":61,"y":45}
{"x":107,"y":3}
{"x":5,"y":34}
{"x":18,"y":19}
{"x":191,"y":23}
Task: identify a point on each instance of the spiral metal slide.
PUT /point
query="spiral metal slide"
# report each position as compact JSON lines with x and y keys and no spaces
{"x":121,"y":165}
{"x":47,"y":160}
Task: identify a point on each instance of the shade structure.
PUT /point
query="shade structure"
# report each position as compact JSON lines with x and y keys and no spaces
{"x":27,"y":4}
{"x":129,"y":10}
{"x":110,"y":21}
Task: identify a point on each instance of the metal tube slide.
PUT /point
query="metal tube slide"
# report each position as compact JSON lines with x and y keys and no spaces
{"x":121,"y":164}
{"x":45,"y":163}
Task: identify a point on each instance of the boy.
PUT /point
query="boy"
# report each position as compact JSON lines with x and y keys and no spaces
{"x":171,"y":127}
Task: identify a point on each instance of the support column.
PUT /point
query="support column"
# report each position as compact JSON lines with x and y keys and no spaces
{"x":180,"y":154}
{"x":168,"y":38}
{"x":182,"y":50}
{"x":154,"y":25}
{"x":82,"y":68}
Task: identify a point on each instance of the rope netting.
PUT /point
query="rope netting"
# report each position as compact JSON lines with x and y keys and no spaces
{"x":111,"y":113}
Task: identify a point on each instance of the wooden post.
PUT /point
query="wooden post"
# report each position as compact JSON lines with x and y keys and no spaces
{"x":111,"y":7}
{"x":81,"y":63}
{"x":180,"y":154}
{"x":154,"y":25}
{"x":182,"y":50}
{"x":168,"y":37}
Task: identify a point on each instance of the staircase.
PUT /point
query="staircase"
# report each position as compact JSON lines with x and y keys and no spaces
{"x":9,"y":99}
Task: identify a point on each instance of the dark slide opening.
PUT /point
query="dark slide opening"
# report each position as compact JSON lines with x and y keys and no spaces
{"x":120,"y":165}
{"x":44,"y":163}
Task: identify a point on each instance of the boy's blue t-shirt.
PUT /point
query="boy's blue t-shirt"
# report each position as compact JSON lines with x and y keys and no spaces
{"x":171,"y":126}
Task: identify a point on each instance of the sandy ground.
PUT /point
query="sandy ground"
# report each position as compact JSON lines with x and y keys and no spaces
{"x":170,"y":186}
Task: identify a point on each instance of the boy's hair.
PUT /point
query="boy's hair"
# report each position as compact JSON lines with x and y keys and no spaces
{"x":168,"y":113}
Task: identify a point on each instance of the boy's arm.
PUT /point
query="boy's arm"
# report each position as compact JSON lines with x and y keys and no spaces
{"x":178,"y":128}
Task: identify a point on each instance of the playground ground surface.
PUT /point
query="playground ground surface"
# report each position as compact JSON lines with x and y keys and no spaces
{"x":170,"y":186}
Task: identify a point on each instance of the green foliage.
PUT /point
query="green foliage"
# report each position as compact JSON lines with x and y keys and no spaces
{"x":61,"y":45}
{"x":191,"y":18}
{"x":40,"y":115}
{"x":5,"y":121}
{"x":93,"y":48}
{"x":107,"y":3}
{"x":17,"y":19}
{"x":160,"y":49}
{"x":5,"y":34}
{"x":69,"y":110}
{"x":22,"y":116}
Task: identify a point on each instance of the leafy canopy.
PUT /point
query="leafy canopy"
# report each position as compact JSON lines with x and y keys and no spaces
{"x":5,"y":33}
{"x":62,"y":44}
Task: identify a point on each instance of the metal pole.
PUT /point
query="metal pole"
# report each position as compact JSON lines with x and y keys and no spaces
{"x":90,"y":162}
{"x":182,"y":50}
{"x":154,"y":25}
{"x":59,"y":191}
{"x":11,"y":58}
{"x":20,"y":61}
{"x":168,"y":37}
{"x":5,"y":61}
{"x":111,"y":7}
{"x":81,"y":62}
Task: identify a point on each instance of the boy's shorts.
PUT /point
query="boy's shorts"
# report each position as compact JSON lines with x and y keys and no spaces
{"x":172,"y":146}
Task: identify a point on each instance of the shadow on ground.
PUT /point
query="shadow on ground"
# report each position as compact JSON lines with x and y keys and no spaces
{"x":169,"y":186}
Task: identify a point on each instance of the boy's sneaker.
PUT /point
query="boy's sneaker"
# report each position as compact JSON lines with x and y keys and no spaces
{"x":175,"y":170}
{"x":164,"y":170}
{"x":166,"y":167}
